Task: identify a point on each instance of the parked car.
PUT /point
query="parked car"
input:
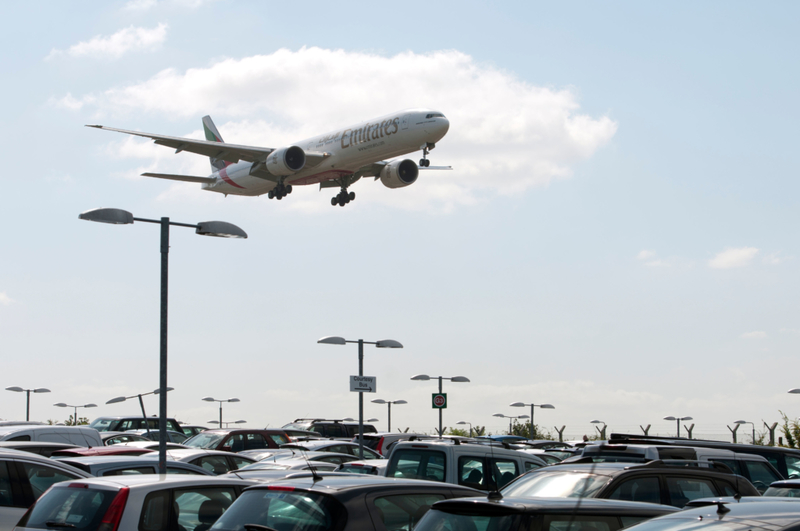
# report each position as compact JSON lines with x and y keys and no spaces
{"x":235,"y":440}
{"x":132,"y":422}
{"x":373,"y":467}
{"x":325,"y":457}
{"x":336,"y":503}
{"x":653,"y":482}
{"x":44,"y":449}
{"x":134,"y":503}
{"x":786,"y":488}
{"x":111,"y":438}
{"x":763,"y":515}
{"x":290,"y":464}
{"x":480,"y":466}
{"x":214,"y":461}
{"x":122,"y":465}
{"x":785,"y":460}
{"x":330,"y":445}
{"x":300,"y":435}
{"x":335,"y":428}
{"x":542,"y":514}
{"x":382,"y":442}
{"x":151,"y":445}
{"x":191,"y":430}
{"x":548,"y":457}
{"x":117,"y":449}
{"x":24,"y":476}
{"x":77,"y":435}
{"x":152,"y":435}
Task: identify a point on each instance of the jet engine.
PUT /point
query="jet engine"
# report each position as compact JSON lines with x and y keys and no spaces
{"x":286,"y":161}
{"x":399,"y":173}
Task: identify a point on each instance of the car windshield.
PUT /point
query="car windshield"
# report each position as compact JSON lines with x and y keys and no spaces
{"x":783,"y":492}
{"x":441,"y":521}
{"x":100,"y":424}
{"x":557,"y":485}
{"x":204,"y":440}
{"x":70,"y":507}
{"x":282,"y":509}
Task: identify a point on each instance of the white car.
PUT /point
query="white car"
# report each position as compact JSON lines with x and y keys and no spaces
{"x":215,"y":461}
{"x":132,"y":503}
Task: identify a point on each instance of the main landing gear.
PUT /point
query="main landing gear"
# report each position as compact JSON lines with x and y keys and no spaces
{"x":424,"y":162}
{"x":280,"y":191}
{"x":342,"y":198}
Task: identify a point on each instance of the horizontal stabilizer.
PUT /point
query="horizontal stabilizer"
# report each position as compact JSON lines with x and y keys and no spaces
{"x":187,"y":178}
{"x":436,"y":168}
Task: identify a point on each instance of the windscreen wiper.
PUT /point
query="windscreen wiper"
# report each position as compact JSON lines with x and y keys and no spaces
{"x":59,"y":524}
{"x":255,"y":527}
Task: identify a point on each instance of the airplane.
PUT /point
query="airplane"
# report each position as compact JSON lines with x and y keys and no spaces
{"x":336,"y":159}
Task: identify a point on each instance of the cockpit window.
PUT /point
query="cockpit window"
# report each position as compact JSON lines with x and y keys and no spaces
{"x":434,"y":115}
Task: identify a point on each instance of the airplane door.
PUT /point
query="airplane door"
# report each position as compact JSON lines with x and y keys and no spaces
{"x":404,"y":122}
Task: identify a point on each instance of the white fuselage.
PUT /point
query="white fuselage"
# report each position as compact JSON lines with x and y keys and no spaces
{"x":349,"y":149}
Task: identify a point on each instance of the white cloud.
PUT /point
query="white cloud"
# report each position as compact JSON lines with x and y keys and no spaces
{"x":645,"y":255}
{"x":116,"y":45}
{"x":140,"y":5}
{"x":790,"y":331}
{"x":5,"y":300}
{"x":505,"y":136}
{"x":774,"y":259}
{"x":730,"y":258}
{"x":758,"y":334}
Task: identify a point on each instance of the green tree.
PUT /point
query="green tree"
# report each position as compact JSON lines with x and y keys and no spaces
{"x":82,"y":421}
{"x":524,"y":430}
{"x":458,"y":432}
{"x":791,"y":431}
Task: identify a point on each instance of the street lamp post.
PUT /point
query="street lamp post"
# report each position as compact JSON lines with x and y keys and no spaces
{"x":118,"y":399}
{"x":601,"y":430}
{"x":383,"y":343}
{"x":425,"y":378}
{"x":746,"y":422}
{"x":211,"y":399}
{"x":464,"y":423}
{"x":389,"y":402}
{"x":116,"y":216}
{"x":678,"y":421}
{"x":75,"y":417}
{"x":509,"y":417}
{"x":28,"y":393}
{"x":541,"y":406}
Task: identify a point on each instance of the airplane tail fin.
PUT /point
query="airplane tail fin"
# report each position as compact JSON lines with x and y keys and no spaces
{"x":213,"y":135}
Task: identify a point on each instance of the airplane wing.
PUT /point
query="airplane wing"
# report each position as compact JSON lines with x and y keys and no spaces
{"x":186,"y":178}
{"x":217,"y":150}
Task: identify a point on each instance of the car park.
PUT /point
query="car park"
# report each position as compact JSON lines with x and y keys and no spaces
{"x":77,"y":435}
{"x":132,"y":422}
{"x":762,"y":515}
{"x":480,"y":466}
{"x":238,"y":440}
{"x":135,"y":503}
{"x":667,"y":483}
{"x":120,"y":465}
{"x":214,"y":461}
{"x":24,"y":476}
{"x":330,"y":445}
{"x":336,"y":503}
{"x":111,"y":438}
{"x":337,"y":429}
{"x":541,"y":514}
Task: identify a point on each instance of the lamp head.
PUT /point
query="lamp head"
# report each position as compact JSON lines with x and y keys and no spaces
{"x":423,"y":377}
{"x":388,"y":343}
{"x":670,"y":418}
{"x":795,"y":391}
{"x":399,"y":402}
{"x":60,"y":404}
{"x":208,"y":399}
{"x":233,"y":400}
{"x":117,"y":399}
{"x":220,"y":229}
{"x":332,"y":340}
{"x":114,"y":216}
{"x":498,"y":415}
{"x":517,"y":404}
{"x":15,"y":389}
{"x":524,"y":417}
{"x":378,"y":401}
{"x":90,"y":405}
{"x":41,"y":390}
{"x":740,"y":422}
{"x":596,"y":422}
{"x":547,"y":406}
{"x":462,"y":422}
{"x":459,"y":379}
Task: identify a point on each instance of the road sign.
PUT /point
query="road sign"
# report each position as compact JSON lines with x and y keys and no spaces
{"x":363,"y":384}
{"x":439,"y":400}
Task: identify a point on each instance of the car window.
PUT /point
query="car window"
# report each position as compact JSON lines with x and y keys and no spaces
{"x":418,"y":464}
{"x":442,"y":521}
{"x":199,"y":509}
{"x":683,"y":490}
{"x":401,"y":512}
{"x":178,"y":470}
{"x":792,"y":466}
{"x":254,"y":441}
{"x":643,"y":489}
{"x":6,"y":494}
{"x":530,"y":465}
{"x":278,"y":438}
{"x":132,"y":471}
{"x":216,"y":464}
{"x":330,"y":459}
{"x":41,"y":477}
{"x":333,"y":430}
{"x":504,"y":470}
{"x":628,"y":521}
{"x":727,"y":488}
{"x":69,"y":508}
{"x":20,"y":438}
{"x":760,"y":475}
{"x":734,"y":464}
{"x":471,"y":472}
{"x":568,"y":522}
{"x":239,"y":462}
{"x":342,"y":449}
{"x":282,"y":509}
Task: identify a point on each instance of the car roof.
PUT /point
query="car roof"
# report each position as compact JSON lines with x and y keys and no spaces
{"x":174,"y":480}
{"x":554,"y":505}
{"x":180,"y":454}
{"x":764,"y":514}
{"x":341,"y":482}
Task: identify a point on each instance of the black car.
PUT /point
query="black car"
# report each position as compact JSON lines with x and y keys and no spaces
{"x":542,"y":514}
{"x":668,"y":483}
{"x":337,"y":429}
{"x":336,"y":503}
{"x":763,"y":514}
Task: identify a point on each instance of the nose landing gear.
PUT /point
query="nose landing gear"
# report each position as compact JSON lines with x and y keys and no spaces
{"x":280,"y":191}
{"x":342,"y":198}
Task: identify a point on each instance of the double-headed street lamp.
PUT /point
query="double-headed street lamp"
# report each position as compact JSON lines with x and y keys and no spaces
{"x":678,"y":421}
{"x":746,"y":422}
{"x":212,"y":399}
{"x":28,"y":393}
{"x":464,"y":423}
{"x":509,"y":417}
{"x":75,"y":417}
{"x":425,"y":378}
{"x":389,"y":402}
{"x":541,"y":406}
{"x":383,"y":343}
{"x":116,"y":216}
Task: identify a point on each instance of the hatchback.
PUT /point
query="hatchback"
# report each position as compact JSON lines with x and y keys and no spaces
{"x":762,"y":515}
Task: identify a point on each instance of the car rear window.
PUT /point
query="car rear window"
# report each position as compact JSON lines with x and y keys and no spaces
{"x":403,"y":511}
{"x":417,"y":464}
{"x":69,"y":507}
{"x":279,"y":439}
{"x":556,"y":484}
{"x":283,"y":509}
{"x":441,"y":521}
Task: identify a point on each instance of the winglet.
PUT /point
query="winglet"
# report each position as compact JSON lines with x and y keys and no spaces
{"x":95,"y":126}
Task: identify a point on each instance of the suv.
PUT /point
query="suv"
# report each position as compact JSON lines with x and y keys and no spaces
{"x":480,"y":466}
{"x":132,"y":423}
{"x":330,"y":428}
{"x":668,"y":483}
{"x":237,"y":440}
{"x":383,"y":442}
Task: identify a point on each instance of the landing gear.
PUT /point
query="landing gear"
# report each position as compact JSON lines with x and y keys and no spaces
{"x":342,"y":198}
{"x":280,"y":191}
{"x":424,"y":162}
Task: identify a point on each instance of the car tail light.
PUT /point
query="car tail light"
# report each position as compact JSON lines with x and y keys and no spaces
{"x":287,"y":489}
{"x":379,"y":449}
{"x":113,"y":515}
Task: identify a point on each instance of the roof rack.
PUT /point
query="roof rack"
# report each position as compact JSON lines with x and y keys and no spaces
{"x":684,"y":463}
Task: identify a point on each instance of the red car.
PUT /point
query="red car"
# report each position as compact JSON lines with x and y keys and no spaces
{"x":238,"y":440}
{"x":115,"y":449}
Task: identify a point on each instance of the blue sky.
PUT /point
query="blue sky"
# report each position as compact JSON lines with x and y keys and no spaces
{"x":617,"y":237}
